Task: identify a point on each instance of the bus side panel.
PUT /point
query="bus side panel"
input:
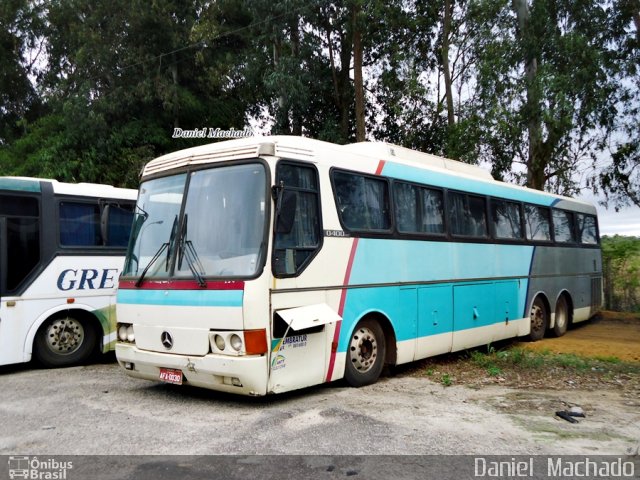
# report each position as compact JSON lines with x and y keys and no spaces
{"x":574,"y":271}
{"x":479,"y":289}
{"x":79,"y":282}
{"x":11,"y":330}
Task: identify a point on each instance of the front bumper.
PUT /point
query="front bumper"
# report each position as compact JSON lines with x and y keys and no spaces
{"x":212,"y":371}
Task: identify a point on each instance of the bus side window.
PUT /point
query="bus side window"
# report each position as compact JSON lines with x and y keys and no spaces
{"x":294,"y":248}
{"x":119,"y":225}
{"x":22,"y":244}
{"x":506,"y":219}
{"x":563,"y":227}
{"x":587,"y":231}
{"x":418,"y":209}
{"x":467,"y":215}
{"x":363,"y":202}
{"x":80,"y":224}
{"x":537,"y":223}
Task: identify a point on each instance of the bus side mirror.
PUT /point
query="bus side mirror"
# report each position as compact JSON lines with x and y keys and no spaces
{"x":104,"y":224}
{"x":286,"y":211}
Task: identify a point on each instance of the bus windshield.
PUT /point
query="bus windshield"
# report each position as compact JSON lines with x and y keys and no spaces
{"x":220,"y":233}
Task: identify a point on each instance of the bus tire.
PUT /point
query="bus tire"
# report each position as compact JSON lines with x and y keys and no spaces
{"x":365,"y":353}
{"x":562,"y":317}
{"x":539,"y":319}
{"x":64,"y":340}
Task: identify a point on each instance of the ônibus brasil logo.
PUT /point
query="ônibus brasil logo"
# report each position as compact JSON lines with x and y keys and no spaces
{"x":36,"y":469}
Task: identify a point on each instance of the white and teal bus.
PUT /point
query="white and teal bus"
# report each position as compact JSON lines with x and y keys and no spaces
{"x":263,"y":265}
{"x":62,"y":249}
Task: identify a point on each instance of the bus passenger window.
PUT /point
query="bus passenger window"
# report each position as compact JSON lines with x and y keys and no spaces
{"x":467,"y":215}
{"x":587,"y":231}
{"x":537,"y":223}
{"x":506,"y":219}
{"x":363,"y":202}
{"x":80,"y":225}
{"x":418,"y":209}
{"x":563,"y":226}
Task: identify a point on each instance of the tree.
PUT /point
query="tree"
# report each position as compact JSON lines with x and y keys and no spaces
{"x":621,"y":258}
{"x":121,"y":75}
{"x":20,"y":50}
{"x":620,"y":179}
{"x":544,"y":97}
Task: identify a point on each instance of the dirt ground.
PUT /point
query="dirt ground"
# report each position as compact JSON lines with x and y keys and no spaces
{"x":598,"y":371}
{"x":609,"y":334}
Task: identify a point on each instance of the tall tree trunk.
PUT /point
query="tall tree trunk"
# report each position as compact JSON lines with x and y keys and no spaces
{"x":344,"y":84}
{"x":176,"y":101}
{"x":446,"y":31}
{"x":282,"y":114}
{"x":357,"y":74}
{"x":296,"y":117}
{"x":535,"y":163}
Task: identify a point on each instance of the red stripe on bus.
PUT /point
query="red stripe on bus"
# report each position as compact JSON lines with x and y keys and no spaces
{"x":180,"y":285}
{"x":380,"y":167}
{"x":343,"y":298}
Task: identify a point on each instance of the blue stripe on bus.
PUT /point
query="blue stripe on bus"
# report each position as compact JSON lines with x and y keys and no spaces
{"x":192,"y":298}
{"x":453,"y":181}
{"x":384,"y":261}
{"x":19,"y":184}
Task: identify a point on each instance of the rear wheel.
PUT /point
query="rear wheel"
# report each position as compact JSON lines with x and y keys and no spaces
{"x":365,"y":354}
{"x":63,"y":341}
{"x":562,"y":317}
{"x":539,"y":319}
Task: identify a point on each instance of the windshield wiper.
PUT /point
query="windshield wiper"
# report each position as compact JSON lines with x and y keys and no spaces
{"x":151,"y":262}
{"x":165,"y":246}
{"x":188,"y":252}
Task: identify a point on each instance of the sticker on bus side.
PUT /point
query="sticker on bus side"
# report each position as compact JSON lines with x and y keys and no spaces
{"x":336,"y":233}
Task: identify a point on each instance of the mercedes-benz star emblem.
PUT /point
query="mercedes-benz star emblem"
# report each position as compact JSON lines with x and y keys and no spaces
{"x":167,"y":340}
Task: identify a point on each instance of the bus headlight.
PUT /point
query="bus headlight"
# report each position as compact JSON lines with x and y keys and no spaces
{"x":125,"y":332}
{"x":236,"y":342}
{"x":239,"y":342}
{"x":219,"y":341}
{"x":130,"y":336}
{"x":122,"y":332}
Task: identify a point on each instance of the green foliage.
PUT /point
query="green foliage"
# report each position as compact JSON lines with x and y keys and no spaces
{"x":621,"y":259}
{"x":535,"y":96}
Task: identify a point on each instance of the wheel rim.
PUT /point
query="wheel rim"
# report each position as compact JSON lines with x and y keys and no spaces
{"x":64,"y":336}
{"x":537,"y":318}
{"x":363,"y":349}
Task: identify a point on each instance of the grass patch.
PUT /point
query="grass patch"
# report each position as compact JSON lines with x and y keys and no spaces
{"x":509,"y":364}
{"x":521,"y":358}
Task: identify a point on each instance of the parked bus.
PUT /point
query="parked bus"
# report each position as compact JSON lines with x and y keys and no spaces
{"x":269,"y":264}
{"x":62,"y":248}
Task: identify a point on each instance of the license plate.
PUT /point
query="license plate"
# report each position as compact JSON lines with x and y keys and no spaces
{"x":169,"y":375}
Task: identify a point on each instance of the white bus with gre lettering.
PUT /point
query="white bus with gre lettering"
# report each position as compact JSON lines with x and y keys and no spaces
{"x":61,"y":251}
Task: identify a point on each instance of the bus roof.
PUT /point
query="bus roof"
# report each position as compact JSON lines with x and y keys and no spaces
{"x":31,"y":184}
{"x":358,"y":156}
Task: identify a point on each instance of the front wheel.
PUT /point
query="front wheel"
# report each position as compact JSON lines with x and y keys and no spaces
{"x":63,"y":341}
{"x":539,"y":320}
{"x":365,"y":354}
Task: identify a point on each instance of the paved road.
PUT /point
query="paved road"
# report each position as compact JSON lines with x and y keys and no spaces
{"x":97,"y":409}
